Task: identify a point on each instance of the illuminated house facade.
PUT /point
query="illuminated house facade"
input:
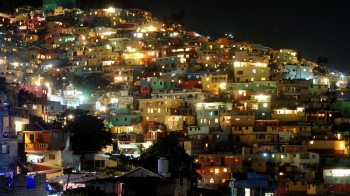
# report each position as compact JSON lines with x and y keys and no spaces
{"x":36,"y":143}
{"x":261,"y":132}
{"x":216,"y":169}
{"x":214,"y":83}
{"x":297,"y":72}
{"x":248,"y":67}
{"x":208,"y":114}
{"x":140,"y":57}
{"x":288,"y":115}
{"x":156,"y":109}
{"x":286,"y":56}
{"x":261,"y":105}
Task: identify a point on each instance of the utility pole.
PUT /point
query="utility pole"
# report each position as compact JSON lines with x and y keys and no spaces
{"x":232,"y":185}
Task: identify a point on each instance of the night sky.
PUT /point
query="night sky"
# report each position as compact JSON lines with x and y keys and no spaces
{"x":314,"y":27}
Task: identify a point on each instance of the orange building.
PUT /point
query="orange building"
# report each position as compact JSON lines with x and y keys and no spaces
{"x":35,"y":144}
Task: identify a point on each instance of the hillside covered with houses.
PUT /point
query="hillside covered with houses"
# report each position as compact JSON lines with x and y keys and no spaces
{"x":254,"y":120}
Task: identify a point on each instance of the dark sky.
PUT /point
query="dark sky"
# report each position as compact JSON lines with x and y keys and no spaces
{"x":314,"y":27}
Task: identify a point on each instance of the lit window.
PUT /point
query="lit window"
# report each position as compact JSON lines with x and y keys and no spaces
{"x":311,"y":142}
{"x":225,"y":169}
{"x":265,"y":105}
{"x":216,"y":171}
{"x":211,"y":180}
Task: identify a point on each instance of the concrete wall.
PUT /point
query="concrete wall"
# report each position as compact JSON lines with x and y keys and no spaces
{"x":20,"y":186}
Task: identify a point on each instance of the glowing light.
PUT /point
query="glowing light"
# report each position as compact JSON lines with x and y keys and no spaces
{"x":261,"y":97}
{"x":103,"y":108}
{"x":340,"y":172}
{"x":151,"y":28}
{"x":147,"y":144}
{"x":110,"y":10}
{"x":339,"y":136}
{"x":246,"y":192}
{"x":18,"y":126}
{"x":222,"y":85}
{"x":139,"y":55}
{"x":236,"y":64}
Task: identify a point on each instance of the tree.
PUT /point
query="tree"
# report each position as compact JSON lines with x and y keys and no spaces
{"x":25,"y":96}
{"x":299,"y":56}
{"x":180,"y":163}
{"x":322,"y":62}
{"x":89,"y":132}
{"x":90,"y":83}
{"x":173,"y":19}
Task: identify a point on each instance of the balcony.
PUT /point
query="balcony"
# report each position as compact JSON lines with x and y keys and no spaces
{"x":36,"y":147}
{"x":260,"y":129}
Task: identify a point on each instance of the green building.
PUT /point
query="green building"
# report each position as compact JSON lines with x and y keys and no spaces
{"x":157,"y":84}
{"x":343,"y":107}
{"x":50,"y":5}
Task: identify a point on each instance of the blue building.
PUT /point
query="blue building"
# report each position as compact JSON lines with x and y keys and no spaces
{"x":254,"y":184}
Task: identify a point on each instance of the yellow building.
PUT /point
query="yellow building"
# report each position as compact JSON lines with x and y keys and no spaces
{"x":174,"y":123}
{"x":212,"y":84}
{"x":250,"y":67}
{"x":156,"y":110}
{"x":297,"y":186}
{"x":286,"y":56}
{"x":263,"y":131}
{"x":329,"y":146}
{"x":288,"y":115}
{"x":127,"y":129}
{"x":316,"y":189}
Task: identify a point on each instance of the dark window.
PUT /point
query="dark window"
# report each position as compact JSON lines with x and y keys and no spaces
{"x":51,"y":156}
{"x":31,"y":137}
{"x":100,"y":163}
